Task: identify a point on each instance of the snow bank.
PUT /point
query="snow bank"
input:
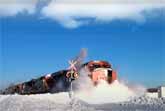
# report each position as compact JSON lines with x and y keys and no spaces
{"x":41,"y":102}
{"x":62,"y":102}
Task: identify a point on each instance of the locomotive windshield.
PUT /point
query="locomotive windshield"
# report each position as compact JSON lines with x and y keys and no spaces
{"x":98,"y":64}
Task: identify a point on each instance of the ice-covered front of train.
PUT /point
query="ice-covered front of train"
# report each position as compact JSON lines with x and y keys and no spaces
{"x":100,"y":71}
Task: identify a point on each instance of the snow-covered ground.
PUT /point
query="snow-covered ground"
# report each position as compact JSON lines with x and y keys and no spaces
{"x":41,"y":102}
{"x":62,"y":102}
{"x":104,"y":97}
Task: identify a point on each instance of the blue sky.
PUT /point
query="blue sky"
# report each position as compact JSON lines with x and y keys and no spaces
{"x":32,"y":46}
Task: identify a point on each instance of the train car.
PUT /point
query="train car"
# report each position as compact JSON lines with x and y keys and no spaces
{"x":61,"y":81}
{"x":52,"y":83}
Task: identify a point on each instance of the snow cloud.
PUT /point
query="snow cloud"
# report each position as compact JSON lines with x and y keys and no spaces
{"x":13,"y":7}
{"x":73,"y":13}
